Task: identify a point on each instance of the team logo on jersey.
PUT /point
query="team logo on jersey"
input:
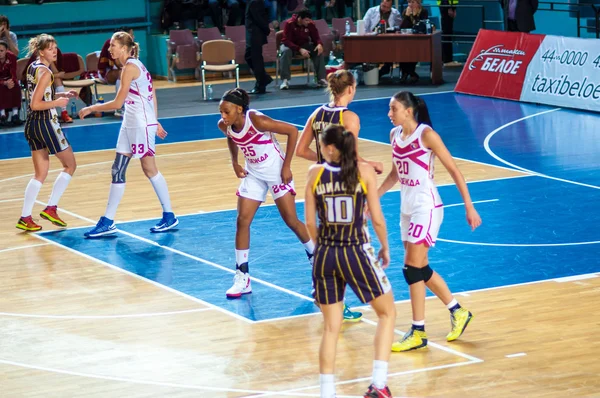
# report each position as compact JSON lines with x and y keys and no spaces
{"x":414,"y":145}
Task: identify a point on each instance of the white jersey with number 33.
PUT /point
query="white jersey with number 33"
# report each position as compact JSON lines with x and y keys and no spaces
{"x":264,"y":157}
{"x":415,"y":167}
{"x":139,"y":103}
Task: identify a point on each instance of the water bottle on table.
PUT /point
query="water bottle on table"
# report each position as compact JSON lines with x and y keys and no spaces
{"x":347,"y":28}
{"x":73,"y":109}
{"x":428,"y":26}
{"x":332,"y":60}
{"x":98,"y":113}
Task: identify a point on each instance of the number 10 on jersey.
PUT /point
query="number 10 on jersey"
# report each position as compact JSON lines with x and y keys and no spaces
{"x":340,"y":209}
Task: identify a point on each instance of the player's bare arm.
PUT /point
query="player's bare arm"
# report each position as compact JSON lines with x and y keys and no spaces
{"x":433,"y":141}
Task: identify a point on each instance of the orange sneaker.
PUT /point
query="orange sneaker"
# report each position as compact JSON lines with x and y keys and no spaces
{"x":50,"y":214}
{"x":27,"y":224}
{"x":65,"y":118}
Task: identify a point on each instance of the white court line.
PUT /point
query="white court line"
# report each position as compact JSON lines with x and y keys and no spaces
{"x":112,"y":161}
{"x":11,"y":200}
{"x":520,"y":354}
{"x":22,"y":247}
{"x":148,"y":315}
{"x":145,"y":382}
{"x":177,"y":292}
{"x":474,"y":202}
{"x":368,"y":379}
{"x":486,"y":145}
{"x":462,"y":242}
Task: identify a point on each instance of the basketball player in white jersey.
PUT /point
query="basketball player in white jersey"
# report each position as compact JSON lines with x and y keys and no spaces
{"x":414,"y":148}
{"x":137,"y":135}
{"x":267,"y":169}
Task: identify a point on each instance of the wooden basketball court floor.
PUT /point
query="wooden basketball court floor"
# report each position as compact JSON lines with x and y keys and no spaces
{"x":144,"y":315}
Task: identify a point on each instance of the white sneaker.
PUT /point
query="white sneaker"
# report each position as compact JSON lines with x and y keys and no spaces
{"x":241,"y":285}
{"x":284,"y":85}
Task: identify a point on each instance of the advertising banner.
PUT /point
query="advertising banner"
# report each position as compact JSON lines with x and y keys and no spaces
{"x":552,"y":70}
{"x":565,"y":71}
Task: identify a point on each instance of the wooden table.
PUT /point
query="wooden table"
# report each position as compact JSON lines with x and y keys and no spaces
{"x":396,"y":47}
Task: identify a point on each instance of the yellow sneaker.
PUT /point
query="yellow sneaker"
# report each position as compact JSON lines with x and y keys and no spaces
{"x":459,"y":319}
{"x":412,"y":340}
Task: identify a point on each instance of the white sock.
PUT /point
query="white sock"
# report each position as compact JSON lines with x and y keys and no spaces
{"x":327,"y":386}
{"x":452,"y":303}
{"x":61,"y":183}
{"x":419,"y":323}
{"x":241,"y":256}
{"x":15,"y":111}
{"x":160,"y":187}
{"x":309,"y":246}
{"x":380,"y":371}
{"x":31,"y":193}
{"x":61,"y":89}
{"x":114,"y":198}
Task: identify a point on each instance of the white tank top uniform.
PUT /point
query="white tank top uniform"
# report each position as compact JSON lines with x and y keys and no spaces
{"x":138,"y":130}
{"x":264,"y":160}
{"x":421,"y":207}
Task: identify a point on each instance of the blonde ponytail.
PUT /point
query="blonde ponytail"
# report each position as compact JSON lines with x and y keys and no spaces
{"x":135,"y":50}
{"x":39,"y":43}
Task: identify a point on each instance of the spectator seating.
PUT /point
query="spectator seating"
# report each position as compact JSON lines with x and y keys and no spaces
{"x":183,"y":52}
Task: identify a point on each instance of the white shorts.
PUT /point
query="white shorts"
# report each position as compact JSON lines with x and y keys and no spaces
{"x":254,"y":188}
{"x":421,"y":227}
{"x":138,"y":141}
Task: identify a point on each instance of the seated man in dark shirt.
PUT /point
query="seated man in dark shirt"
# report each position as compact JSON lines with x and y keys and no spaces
{"x":301,"y":37}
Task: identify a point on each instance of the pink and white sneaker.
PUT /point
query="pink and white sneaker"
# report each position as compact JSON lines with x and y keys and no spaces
{"x":241,"y":285}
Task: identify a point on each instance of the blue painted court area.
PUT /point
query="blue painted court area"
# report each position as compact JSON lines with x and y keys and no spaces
{"x":278,"y":258}
{"x":534,"y":228}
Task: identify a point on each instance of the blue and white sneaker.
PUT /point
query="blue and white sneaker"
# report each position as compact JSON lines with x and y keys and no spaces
{"x":104,"y":227}
{"x":169,"y":221}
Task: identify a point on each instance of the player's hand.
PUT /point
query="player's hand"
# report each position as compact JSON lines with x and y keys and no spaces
{"x":61,"y":102}
{"x":319,"y":49}
{"x":367,"y":212}
{"x":384,"y":257}
{"x":72,"y":94}
{"x":83,"y":112}
{"x":473,"y":218}
{"x":378,"y":167}
{"x":240,"y":172}
{"x":161,"y":133}
{"x":286,"y":175}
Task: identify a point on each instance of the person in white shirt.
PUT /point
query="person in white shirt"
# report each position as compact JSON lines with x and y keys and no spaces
{"x":373,"y":17}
